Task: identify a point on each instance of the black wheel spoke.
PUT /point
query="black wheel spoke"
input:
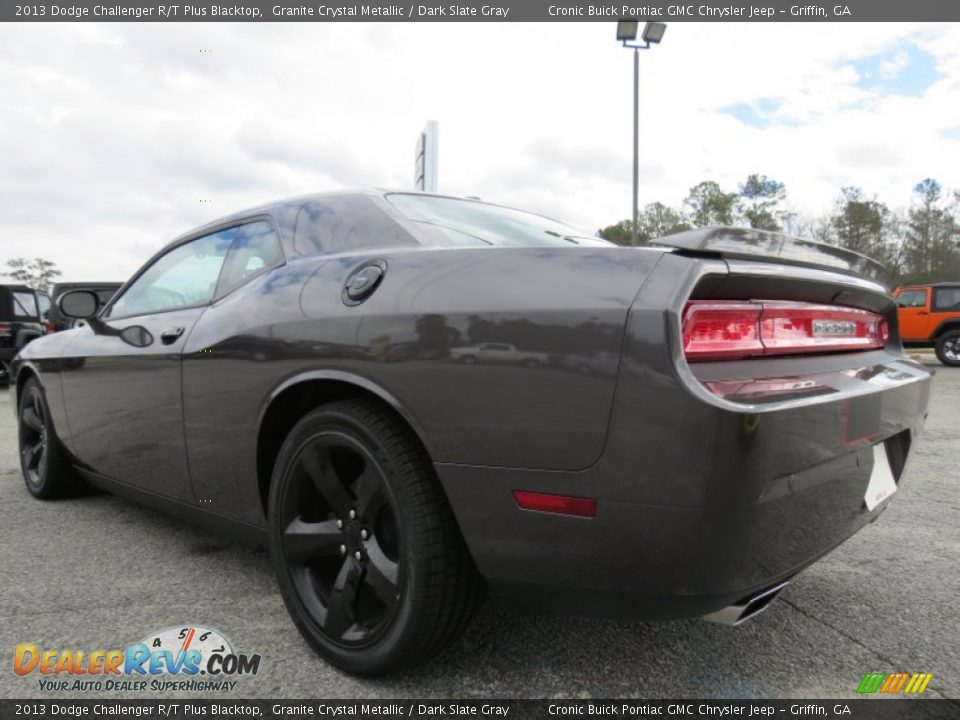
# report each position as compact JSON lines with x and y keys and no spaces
{"x":305,"y":540}
{"x":381,"y":575}
{"x":32,"y":454}
{"x":370,"y":494}
{"x":31,"y":419}
{"x":324,"y":476}
{"x":341,"y":608}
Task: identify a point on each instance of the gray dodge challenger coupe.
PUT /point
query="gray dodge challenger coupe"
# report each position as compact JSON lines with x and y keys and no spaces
{"x":411,"y":398}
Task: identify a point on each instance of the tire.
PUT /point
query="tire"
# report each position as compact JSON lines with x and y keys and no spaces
{"x":44,"y":462}
{"x":4,"y":374}
{"x":948,"y":348}
{"x":371,"y":564}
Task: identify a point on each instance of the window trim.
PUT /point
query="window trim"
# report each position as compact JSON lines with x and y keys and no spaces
{"x":206,"y":231}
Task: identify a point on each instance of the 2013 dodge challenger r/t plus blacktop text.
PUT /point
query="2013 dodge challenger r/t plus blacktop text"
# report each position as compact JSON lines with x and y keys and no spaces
{"x":412,"y":397}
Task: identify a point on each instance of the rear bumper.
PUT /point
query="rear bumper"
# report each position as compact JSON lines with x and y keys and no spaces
{"x":699,"y":505}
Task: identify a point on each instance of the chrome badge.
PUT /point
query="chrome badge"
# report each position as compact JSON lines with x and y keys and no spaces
{"x":833,"y":328}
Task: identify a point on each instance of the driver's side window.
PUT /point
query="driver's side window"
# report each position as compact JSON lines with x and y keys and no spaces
{"x":184,"y":277}
{"x":912,"y":299}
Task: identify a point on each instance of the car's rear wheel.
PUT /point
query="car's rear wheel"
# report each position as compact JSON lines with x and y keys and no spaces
{"x":948,"y":348}
{"x":47,"y":470}
{"x":370,"y":561}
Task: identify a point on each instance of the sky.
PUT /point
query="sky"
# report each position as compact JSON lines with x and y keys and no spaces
{"x":115,"y":138}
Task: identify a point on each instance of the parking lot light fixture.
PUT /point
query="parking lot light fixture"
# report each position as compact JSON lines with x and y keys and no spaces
{"x":627,"y":30}
{"x":653,"y":32}
{"x":652,"y":35}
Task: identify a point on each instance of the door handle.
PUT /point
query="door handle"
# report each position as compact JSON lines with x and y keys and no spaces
{"x":170,"y":335}
{"x":923,"y":312}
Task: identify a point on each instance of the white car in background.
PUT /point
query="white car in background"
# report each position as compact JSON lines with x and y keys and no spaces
{"x":497,"y":354}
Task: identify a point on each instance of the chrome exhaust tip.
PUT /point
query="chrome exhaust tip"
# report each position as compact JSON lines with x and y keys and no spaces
{"x":747,"y":608}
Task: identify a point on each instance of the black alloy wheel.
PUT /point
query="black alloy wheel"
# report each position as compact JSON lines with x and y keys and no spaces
{"x":370,"y":561}
{"x":45,"y":464}
{"x":340,"y":539}
{"x":33,"y":437}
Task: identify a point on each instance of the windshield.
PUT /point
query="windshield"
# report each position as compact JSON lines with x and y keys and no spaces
{"x":466,"y":222}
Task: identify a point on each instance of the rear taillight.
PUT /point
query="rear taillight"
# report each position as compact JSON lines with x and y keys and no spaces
{"x":6,"y":329}
{"x":722,"y":330}
{"x":49,"y":326}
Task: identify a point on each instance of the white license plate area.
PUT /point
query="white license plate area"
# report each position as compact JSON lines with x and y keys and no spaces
{"x":882,"y":483}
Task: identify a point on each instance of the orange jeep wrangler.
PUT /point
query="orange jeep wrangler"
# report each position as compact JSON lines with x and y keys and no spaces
{"x":930,"y":315}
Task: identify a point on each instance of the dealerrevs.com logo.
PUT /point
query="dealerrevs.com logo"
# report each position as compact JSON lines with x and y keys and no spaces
{"x":189,"y":657}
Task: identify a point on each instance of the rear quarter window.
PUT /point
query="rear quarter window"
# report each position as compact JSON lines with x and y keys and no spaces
{"x":344,"y":224}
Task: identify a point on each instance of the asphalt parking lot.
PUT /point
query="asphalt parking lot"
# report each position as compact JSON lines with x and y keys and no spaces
{"x":100,"y":572}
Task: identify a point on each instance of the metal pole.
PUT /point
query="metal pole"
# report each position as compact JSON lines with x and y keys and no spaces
{"x":635,"y":229}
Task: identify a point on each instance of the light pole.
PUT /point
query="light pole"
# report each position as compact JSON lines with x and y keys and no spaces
{"x":652,"y":35}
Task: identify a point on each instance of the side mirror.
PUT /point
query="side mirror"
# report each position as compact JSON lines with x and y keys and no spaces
{"x":79,"y":304}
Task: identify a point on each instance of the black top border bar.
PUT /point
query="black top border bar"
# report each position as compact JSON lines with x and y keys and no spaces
{"x":466,"y":10}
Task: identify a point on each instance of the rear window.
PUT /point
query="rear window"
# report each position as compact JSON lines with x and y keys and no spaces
{"x":24,"y":305}
{"x":946,"y":298}
{"x":451,"y":221}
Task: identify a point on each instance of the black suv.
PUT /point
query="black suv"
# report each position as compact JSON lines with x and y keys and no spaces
{"x":20,"y":322}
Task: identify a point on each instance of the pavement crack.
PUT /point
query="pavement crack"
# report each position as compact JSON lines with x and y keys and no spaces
{"x":883,"y":658}
{"x":837,"y":630}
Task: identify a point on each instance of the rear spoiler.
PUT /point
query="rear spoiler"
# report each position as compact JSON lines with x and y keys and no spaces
{"x":773,"y":247}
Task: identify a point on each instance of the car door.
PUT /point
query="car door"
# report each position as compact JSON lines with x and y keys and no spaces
{"x":913,"y":313}
{"x":123,"y":401}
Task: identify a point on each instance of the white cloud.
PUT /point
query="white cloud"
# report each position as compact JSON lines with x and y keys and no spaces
{"x":111,"y":135}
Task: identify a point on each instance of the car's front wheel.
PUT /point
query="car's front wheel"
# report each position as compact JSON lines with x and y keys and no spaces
{"x":47,"y":470}
{"x":948,"y":348}
{"x":371,"y":563}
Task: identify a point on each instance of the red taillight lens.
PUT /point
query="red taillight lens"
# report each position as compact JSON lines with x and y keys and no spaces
{"x":562,"y":504}
{"x":717,"y":330}
{"x":6,"y":329}
{"x":714,"y":331}
{"x":49,"y":326}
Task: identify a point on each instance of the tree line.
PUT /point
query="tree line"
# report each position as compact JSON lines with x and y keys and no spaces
{"x":38,"y":273}
{"x":919,"y":245}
